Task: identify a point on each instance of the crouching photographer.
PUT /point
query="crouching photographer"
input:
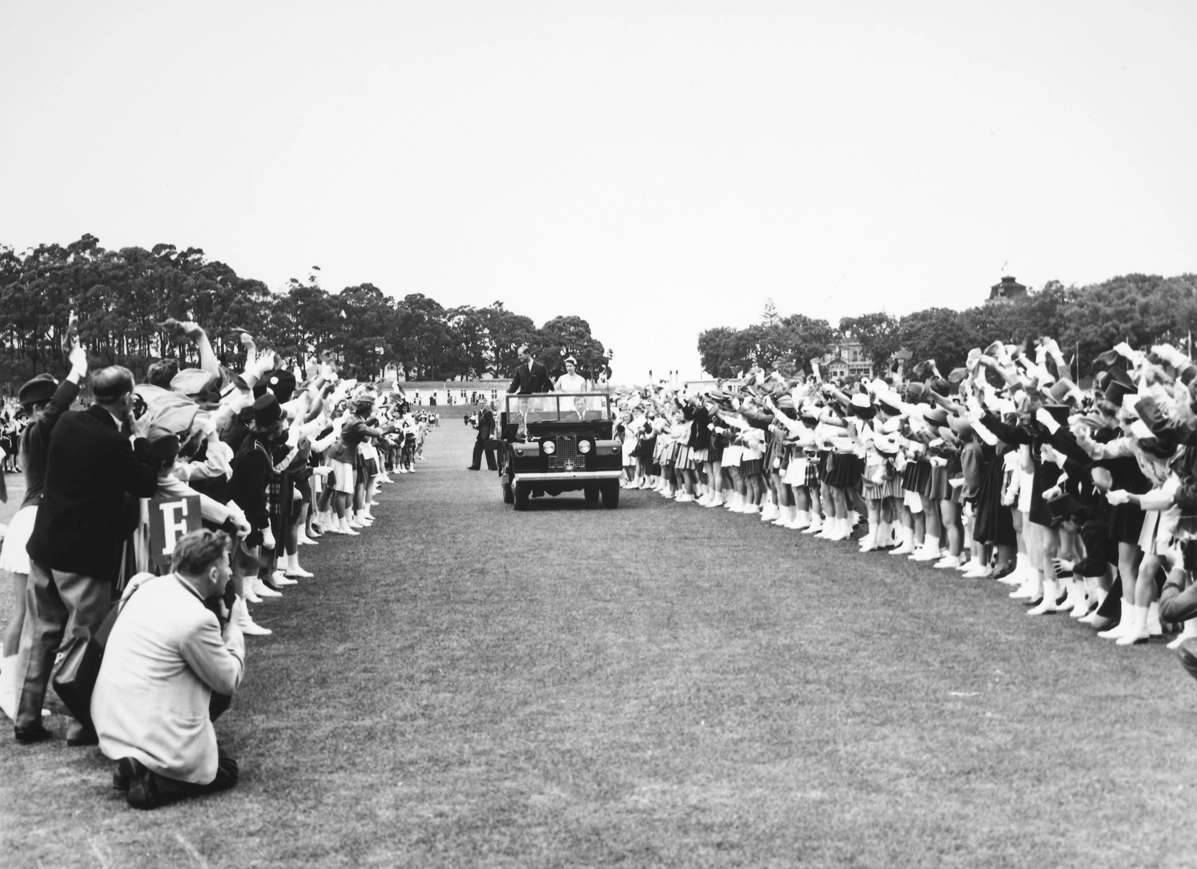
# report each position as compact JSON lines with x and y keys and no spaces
{"x":170,"y":664}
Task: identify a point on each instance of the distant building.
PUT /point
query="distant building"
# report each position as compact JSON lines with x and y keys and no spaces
{"x":452,"y":392}
{"x":1007,"y":289}
{"x":846,"y":359}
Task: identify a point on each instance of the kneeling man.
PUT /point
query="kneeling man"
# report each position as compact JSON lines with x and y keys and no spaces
{"x":166,"y":656}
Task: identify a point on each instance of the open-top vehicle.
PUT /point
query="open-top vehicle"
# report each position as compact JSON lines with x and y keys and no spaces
{"x":559,"y":442}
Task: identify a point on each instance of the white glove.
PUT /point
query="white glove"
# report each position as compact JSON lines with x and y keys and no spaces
{"x":1117,"y":496}
{"x":1046,"y":420}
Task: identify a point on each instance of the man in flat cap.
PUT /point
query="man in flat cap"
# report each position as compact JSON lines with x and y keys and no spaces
{"x":75,"y":547}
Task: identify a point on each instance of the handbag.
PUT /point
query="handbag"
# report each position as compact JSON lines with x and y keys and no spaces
{"x":77,"y":668}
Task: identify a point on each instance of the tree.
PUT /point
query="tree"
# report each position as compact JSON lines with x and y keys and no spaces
{"x":939,"y":334}
{"x":1139,"y":309}
{"x":719,"y":353}
{"x":367,"y":319}
{"x":569,"y":336}
{"x":505,"y":331}
{"x":877,"y":334}
{"x":422,"y":339}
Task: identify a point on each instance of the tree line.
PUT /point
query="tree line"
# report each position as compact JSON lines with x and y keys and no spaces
{"x":1086,"y":320}
{"x":118,"y":299}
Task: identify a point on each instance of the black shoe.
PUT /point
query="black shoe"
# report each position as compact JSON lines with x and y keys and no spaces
{"x":123,"y":775}
{"x":32,"y":734}
{"x":81,"y":734}
{"x":470,"y":468}
{"x":143,"y":790}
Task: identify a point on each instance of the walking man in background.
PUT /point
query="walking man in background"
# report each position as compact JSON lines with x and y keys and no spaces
{"x":486,"y":431}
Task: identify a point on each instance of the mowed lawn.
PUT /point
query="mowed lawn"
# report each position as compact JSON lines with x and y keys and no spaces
{"x":659,"y":685}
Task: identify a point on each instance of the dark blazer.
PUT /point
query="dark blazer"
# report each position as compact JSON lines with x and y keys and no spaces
{"x":527,"y":382}
{"x":90,"y":466}
{"x":486,"y":424}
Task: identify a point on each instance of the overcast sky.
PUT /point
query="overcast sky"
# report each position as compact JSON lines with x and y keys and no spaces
{"x":655,"y":168}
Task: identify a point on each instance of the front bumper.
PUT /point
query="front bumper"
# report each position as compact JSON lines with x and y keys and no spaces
{"x":567,"y":476}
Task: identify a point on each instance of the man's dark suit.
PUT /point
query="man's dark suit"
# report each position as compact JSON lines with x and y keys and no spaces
{"x":528,"y":381}
{"x":486,"y":430}
{"x":75,"y":547}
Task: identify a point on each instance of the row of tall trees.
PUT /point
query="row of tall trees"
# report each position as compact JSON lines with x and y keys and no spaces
{"x":118,"y":299}
{"x":1085,"y":320}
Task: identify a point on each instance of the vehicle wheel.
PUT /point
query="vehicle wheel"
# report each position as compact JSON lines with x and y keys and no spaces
{"x":521,"y":493}
{"x":508,"y":495}
{"x":611,"y":495}
{"x":591,"y":493}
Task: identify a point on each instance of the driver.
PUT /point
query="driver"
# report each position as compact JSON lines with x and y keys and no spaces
{"x":580,"y":407}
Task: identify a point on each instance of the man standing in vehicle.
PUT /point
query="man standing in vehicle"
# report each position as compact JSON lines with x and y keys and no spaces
{"x":531,"y":376}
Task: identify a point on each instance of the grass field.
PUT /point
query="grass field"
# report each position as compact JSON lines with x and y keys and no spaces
{"x":659,"y":685}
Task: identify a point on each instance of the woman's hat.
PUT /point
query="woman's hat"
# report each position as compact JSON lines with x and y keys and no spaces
{"x":959,"y":425}
{"x":861,"y":406}
{"x":1116,"y":391}
{"x":935,"y":415}
{"x":1063,"y":507}
{"x":267,"y":411}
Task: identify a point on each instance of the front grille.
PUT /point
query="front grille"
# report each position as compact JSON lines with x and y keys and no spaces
{"x":567,"y":453}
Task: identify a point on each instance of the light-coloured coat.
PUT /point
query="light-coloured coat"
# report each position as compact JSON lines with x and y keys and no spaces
{"x":164,"y":659}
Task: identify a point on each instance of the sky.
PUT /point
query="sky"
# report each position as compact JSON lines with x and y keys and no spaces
{"x":656,"y":168}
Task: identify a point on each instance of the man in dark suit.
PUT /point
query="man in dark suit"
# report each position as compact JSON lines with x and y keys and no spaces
{"x":75,"y":547}
{"x":530,"y":377}
{"x":486,"y":431}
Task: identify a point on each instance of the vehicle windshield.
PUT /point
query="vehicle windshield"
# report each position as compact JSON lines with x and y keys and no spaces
{"x":559,"y":407}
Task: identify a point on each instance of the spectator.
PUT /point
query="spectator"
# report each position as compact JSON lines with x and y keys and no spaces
{"x":44,"y":401}
{"x":482,"y":443}
{"x":74,"y":549}
{"x":167,"y":655}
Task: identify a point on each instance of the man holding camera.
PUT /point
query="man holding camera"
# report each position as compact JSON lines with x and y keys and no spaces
{"x":168,"y":654}
{"x":482,"y":443}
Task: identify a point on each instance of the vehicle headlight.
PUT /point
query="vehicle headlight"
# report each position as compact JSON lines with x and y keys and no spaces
{"x":583,"y":447}
{"x":548,"y":447}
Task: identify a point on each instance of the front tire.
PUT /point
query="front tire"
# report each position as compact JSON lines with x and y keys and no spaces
{"x":505,"y":481}
{"x":611,"y":495}
{"x":522,"y":491}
